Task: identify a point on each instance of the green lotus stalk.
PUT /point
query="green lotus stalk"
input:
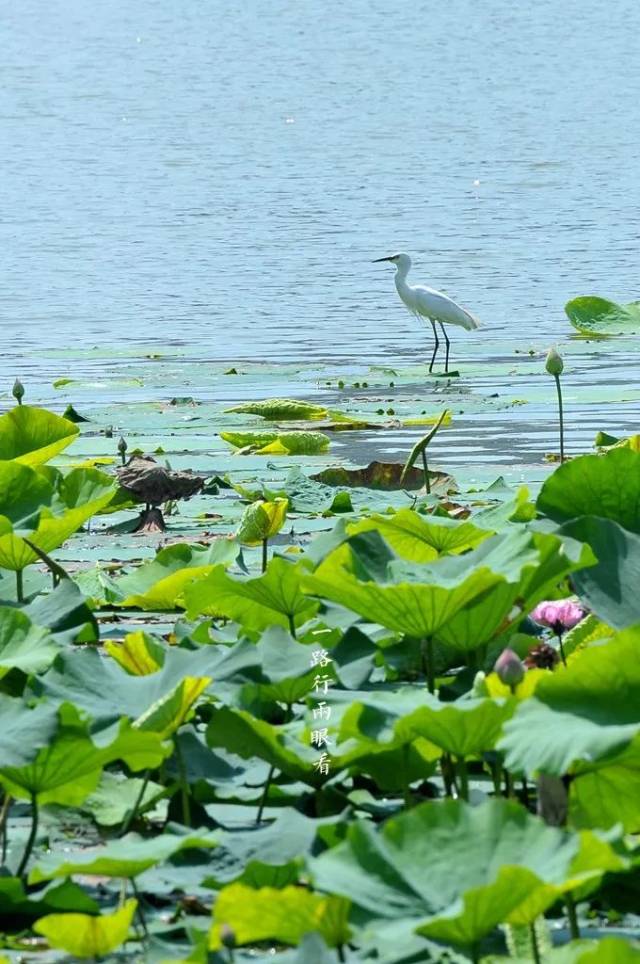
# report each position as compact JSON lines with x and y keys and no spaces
{"x":554,"y":365}
{"x":33,"y":833}
{"x":574,"y":928}
{"x":18,"y":391}
{"x":265,"y":793}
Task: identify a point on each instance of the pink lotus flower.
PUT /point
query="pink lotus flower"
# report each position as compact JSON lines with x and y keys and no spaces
{"x":509,"y":668}
{"x":559,"y":615}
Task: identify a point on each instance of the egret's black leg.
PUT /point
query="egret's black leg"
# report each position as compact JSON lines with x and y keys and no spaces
{"x":435,"y":347}
{"x":446,"y":357}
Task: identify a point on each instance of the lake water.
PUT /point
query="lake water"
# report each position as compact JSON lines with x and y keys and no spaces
{"x":217,"y":178}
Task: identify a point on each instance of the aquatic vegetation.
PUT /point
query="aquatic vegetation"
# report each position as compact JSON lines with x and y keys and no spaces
{"x":366,"y":740}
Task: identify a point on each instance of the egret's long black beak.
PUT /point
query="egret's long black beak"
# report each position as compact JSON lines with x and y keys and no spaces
{"x":376,"y":260}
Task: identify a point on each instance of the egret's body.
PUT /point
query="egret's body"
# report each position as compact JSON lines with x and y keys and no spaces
{"x":424,"y":302}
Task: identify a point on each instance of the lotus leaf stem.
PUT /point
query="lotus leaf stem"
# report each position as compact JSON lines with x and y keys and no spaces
{"x":464,"y":778}
{"x":134,"y":810}
{"x":292,"y":625}
{"x":265,"y":557}
{"x":139,"y":910}
{"x":4,"y":818}
{"x":19,"y":586}
{"x":535,"y":950}
{"x":562,"y":655}
{"x":32,"y":837}
{"x":561,"y":419}
{"x":263,"y":798}
{"x":574,"y":928}
{"x":184,"y":785}
{"x":427,"y":663}
{"x":508,"y":784}
{"x":406,"y":789}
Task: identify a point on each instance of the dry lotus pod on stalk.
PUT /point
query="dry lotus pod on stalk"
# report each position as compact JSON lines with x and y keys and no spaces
{"x":147,"y":481}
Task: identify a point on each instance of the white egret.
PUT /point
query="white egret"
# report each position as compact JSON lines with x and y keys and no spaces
{"x":428,"y":303}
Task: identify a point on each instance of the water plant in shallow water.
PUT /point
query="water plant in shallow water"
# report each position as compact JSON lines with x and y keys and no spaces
{"x":554,"y":365}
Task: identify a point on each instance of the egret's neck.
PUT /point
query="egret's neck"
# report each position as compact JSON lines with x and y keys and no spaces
{"x":400,"y":278}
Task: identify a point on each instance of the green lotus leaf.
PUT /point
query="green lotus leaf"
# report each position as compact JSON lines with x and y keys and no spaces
{"x":85,"y":935}
{"x":127,"y":857}
{"x":24,"y":646}
{"x":422,"y":538}
{"x":609,"y":950}
{"x":598,"y":316}
{"x":69,"y":767}
{"x":284,"y":915}
{"x":282,"y":409}
{"x":261,"y":521}
{"x":538,"y":566}
{"x":24,"y":730}
{"x":610,"y":588}
{"x":279,"y":443}
{"x":275,"y":597}
{"x":66,"y":502}
{"x":16,"y":904}
{"x":607,"y":793}
{"x":32,"y":436}
{"x":460,"y":870}
{"x":418,"y":600}
{"x":607,"y":486}
{"x":161,"y":583}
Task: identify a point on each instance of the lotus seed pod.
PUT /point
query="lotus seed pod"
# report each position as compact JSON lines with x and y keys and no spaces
{"x":554,"y":363}
{"x":18,"y":391}
{"x":510,"y":668}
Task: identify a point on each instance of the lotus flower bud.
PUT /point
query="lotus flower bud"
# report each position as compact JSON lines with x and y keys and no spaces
{"x":122,"y":448}
{"x":510,"y":668}
{"x":227,"y":936}
{"x":554,"y":363}
{"x":18,"y":391}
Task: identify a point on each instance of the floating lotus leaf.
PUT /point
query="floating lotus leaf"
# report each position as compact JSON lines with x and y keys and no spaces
{"x":598,"y":316}
{"x":282,"y":409}
{"x":87,"y":936}
{"x":278,"y":443}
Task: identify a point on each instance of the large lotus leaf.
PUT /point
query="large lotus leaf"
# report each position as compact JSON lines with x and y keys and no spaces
{"x":160,"y":583}
{"x":422,"y":538}
{"x":24,"y":730}
{"x":464,"y":728}
{"x":465,"y":869}
{"x":284,"y":915}
{"x":415,"y":599}
{"x":607,"y":486}
{"x":72,"y":499}
{"x":610,"y":588}
{"x":279,"y":443}
{"x":584,"y":712}
{"x":610,"y":950}
{"x":105,"y":692}
{"x":282,"y":747}
{"x":24,"y":646}
{"x":282,"y":409}
{"x":32,"y":436}
{"x":65,"y":612}
{"x":607,"y":793}
{"x":84,"y":935}
{"x":69,"y":767}
{"x":527,"y":584}
{"x":592,"y":315}
{"x":275,"y":597}
{"x":17,"y":906}
{"x":127,"y":857}
{"x":23,"y":492}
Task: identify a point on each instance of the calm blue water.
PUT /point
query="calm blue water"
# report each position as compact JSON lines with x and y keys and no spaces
{"x":223,"y":173}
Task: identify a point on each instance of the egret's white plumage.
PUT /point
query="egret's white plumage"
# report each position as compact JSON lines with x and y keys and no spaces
{"x":424,"y":302}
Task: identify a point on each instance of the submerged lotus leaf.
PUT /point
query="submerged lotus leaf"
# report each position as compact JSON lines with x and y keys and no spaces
{"x":127,"y":857}
{"x":66,"y":503}
{"x":275,"y":597}
{"x":460,"y":870}
{"x":278,"y":443}
{"x":32,"y":436}
{"x":607,"y":486}
{"x":422,"y":538}
{"x":161,"y":583}
{"x":262,"y":521}
{"x":69,"y":767}
{"x":284,"y":915}
{"x":282,"y":409}
{"x":592,"y":315}
{"x":86,"y":936}
{"x":23,"y":645}
{"x":585,"y":712}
